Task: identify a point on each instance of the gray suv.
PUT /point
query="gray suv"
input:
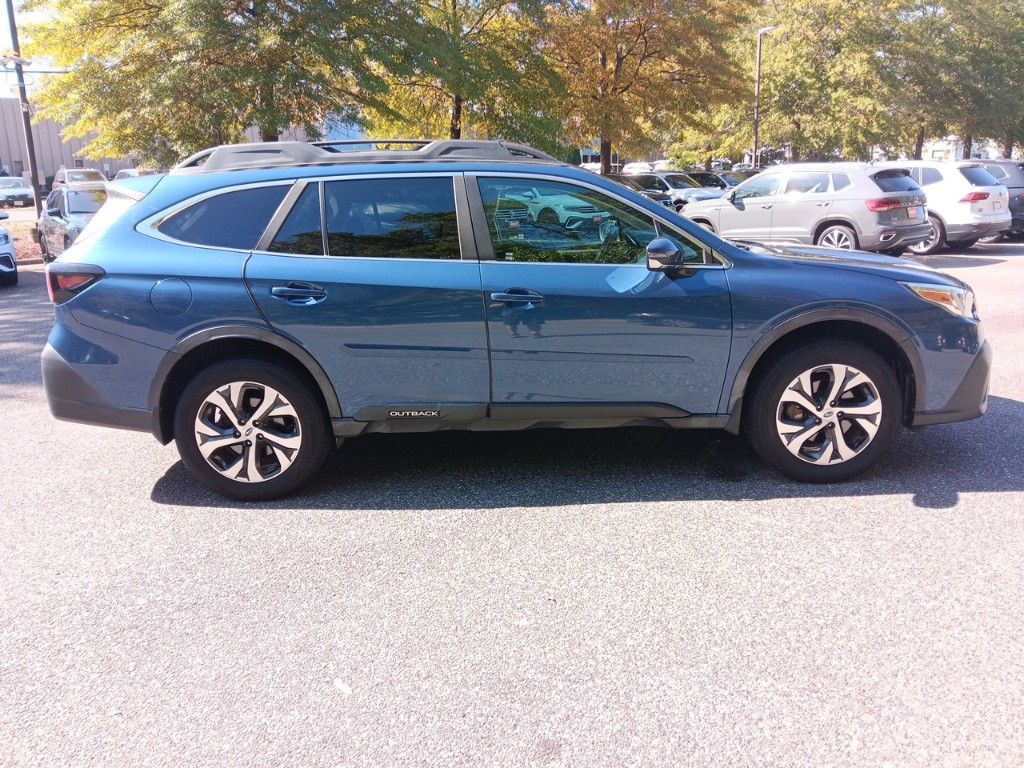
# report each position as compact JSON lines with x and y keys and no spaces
{"x":1009,"y":173}
{"x":840,"y":205}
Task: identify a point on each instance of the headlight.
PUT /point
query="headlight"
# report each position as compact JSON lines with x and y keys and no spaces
{"x":5,"y":239}
{"x":958,"y":301}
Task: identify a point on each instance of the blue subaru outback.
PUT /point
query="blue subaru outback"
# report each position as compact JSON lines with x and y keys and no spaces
{"x":262,"y":302}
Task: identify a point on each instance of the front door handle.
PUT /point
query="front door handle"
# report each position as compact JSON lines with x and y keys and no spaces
{"x":517,"y":294}
{"x":301,"y":294}
{"x":766,"y":207}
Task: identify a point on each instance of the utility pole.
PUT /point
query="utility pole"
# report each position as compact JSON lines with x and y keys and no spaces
{"x":756,"y":159}
{"x":26,"y":117}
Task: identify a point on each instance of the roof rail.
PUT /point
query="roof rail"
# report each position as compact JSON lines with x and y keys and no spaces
{"x":283,"y":153}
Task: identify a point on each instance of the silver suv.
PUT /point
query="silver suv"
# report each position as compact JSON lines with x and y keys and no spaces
{"x":840,"y":205}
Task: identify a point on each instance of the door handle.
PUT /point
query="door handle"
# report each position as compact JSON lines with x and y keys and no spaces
{"x":515,"y":294}
{"x":766,"y":206}
{"x":302,"y":294}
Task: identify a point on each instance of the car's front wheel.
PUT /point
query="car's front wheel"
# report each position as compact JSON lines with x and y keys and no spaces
{"x":8,"y":279}
{"x":824,"y":412}
{"x":838,"y":236}
{"x":250,"y":430}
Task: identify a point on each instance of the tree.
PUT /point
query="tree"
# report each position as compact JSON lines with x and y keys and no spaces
{"x":481,"y":74}
{"x":161,"y":80}
{"x":636,"y":70}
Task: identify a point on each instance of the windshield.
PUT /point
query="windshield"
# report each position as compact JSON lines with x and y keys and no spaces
{"x":82,"y":201}
{"x":626,"y":181}
{"x":11,"y":183}
{"x":680,"y":181}
{"x":76,"y":176}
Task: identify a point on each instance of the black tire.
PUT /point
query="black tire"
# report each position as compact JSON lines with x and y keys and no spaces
{"x":766,"y":402}
{"x":935,"y":242}
{"x":9,"y":279}
{"x":704,"y":223}
{"x":311,"y":425}
{"x":680,"y":207}
{"x":895,"y":252}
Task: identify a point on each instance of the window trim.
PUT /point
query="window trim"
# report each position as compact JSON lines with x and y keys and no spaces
{"x":467,"y":248}
{"x":150,"y":225}
{"x":482,"y":232}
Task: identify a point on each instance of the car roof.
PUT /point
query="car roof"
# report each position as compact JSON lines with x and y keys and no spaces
{"x":84,"y":186}
{"x":820,"y":167}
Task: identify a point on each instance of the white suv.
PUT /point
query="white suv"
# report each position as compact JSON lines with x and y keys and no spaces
{"x":8,"y":257}
{"x":965,"y":202}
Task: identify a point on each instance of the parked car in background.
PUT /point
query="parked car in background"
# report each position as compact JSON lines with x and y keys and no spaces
{"x":14,"y":190}
{"x":548,"y":205}
{"x":258,"y":309}
{"x":965,"y":202}
{"x":1009,"y":173}
{"x":66,"y":176}
{"x":839,"y":205}
{"x":637,"y":167}
{"x":68,"y":209}
{"x":681,"y":187}
{"x":8,"y":257}
{"x":732,"y":178}
{"x":132,"y":173}
{"x":712,"y":179}
{"x":661,"y":198}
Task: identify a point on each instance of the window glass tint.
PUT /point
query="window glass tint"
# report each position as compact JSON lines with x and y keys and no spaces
{"x":895,"y":180}
{"x":544,"y":221}
{"x":930,"y":176}
{"x":301,"y":232}
{"x":998,"y":172}
{"x":229,"y":220}
{"x":840,"y":181}
{"x":758,"y":186}
{"x":399,"y":218}
{"x":652,"y":183}
{"x":978,"y":176}
{"x":86,"y":201}
{"x":706,"y":179}
{"x":807,"y":183}
{"x":681,"y":181}
{"x":80,"y":176}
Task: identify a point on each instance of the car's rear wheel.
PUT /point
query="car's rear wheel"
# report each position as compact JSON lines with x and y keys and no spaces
{"x":824,"y":412}
{"x":997,"y":238}
{"x":935,"y":240}
{"x":547,"y":216}
{"x":250,"y":430}
{"x":838,"y":236}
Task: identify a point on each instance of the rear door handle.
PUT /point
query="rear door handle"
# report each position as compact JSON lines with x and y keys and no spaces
{"x":302,"y":294}
{"x":514,"y":294}
{"x":766,"y":206}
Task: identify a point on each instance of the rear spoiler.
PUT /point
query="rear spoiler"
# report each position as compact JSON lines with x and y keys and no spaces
{"x":135,"y":188}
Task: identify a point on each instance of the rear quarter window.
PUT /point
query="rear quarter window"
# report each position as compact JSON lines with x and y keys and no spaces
{"x":978,"y":176}
{"x":895,"y":180}
{"x":228,"y":220}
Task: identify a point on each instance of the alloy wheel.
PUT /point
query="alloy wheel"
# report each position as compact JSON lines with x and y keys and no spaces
{"x":837,"y":237}
{"x":928,"y":244}
{"x":248,"y":432}
{"x":828,"y":414}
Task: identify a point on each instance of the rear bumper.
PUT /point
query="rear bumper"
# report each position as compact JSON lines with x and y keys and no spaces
{"x":972,"y":230}
{"x":969,"y":400}
{"x":71,"y":398}
{"x":885,"y":238}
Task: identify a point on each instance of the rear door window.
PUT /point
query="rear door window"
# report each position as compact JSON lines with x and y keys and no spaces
{"x":807,"y":183}
{"x":398,"y":218}
{"x":301,"y":231}
{"x":978,"y":176}
{"x":228,"y":220}
{"x":895,"y":180}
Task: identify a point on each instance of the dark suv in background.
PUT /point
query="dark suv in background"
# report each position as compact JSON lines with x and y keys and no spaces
{"x":261,"y":302}
{"x":1009,"y":173}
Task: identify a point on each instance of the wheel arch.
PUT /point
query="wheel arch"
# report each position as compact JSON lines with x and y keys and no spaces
{"x":874,"y":331}
{"x":199,"y":350}
{"x":832,"y":221}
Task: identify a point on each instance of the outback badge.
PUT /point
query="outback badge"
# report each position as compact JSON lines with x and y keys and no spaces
{"x":429,"y":414}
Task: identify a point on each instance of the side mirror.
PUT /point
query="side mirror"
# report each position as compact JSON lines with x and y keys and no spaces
{"x":731,"y":197}
{"x":4,"y":215}
{"x":663,"y":254}
{"x":54,"y":212}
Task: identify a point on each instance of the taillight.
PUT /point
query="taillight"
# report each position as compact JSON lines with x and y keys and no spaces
{"x":65,"y":280}
{"x":886,"y":204}
{"x":974,"y":197}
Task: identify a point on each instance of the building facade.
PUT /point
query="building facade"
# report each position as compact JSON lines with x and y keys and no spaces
{"x":52,"y":150}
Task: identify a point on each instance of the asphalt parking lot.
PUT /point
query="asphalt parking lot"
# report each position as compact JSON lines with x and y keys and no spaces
{"x":579,"y":598}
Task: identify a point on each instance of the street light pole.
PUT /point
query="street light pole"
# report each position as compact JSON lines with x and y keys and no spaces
{"x":26,"y":116}
{"x":756,"y":160}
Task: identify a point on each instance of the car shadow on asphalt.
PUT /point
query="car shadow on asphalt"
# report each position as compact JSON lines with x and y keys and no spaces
{"x":550,"y":468}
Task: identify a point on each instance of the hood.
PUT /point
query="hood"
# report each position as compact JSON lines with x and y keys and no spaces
{"x":857,"y":261}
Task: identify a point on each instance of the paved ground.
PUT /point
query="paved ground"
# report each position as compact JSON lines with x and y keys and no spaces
{"x":619,"y":598}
